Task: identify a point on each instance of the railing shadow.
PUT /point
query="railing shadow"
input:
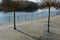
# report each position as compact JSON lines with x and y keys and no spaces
{"x":27,"y":34}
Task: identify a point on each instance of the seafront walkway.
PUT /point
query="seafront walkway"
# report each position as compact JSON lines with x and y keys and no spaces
{"x":29,"y":30}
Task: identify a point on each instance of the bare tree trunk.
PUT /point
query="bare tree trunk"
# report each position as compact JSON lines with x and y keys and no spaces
{"x":49,"y":20}
{"x":14,"y":21}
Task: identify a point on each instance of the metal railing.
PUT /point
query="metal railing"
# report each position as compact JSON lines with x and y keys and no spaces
{"x":24,"y":17}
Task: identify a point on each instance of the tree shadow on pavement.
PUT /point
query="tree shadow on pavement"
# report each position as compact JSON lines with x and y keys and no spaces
{"x":28,"y":35}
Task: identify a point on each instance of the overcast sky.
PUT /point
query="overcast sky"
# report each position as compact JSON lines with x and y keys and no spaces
{"x":0,"y":0}
{"x":33,"y":0}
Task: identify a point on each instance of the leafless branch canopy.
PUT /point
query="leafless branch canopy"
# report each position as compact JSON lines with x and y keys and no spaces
{"x":47,"y":3}
{"x":9,"y":4}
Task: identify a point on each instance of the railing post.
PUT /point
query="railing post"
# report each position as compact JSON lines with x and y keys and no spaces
{"x":25,"y":16}
{"x":31,"y":16}
{"x":18,"y":18}
{"x":9,"y":19}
